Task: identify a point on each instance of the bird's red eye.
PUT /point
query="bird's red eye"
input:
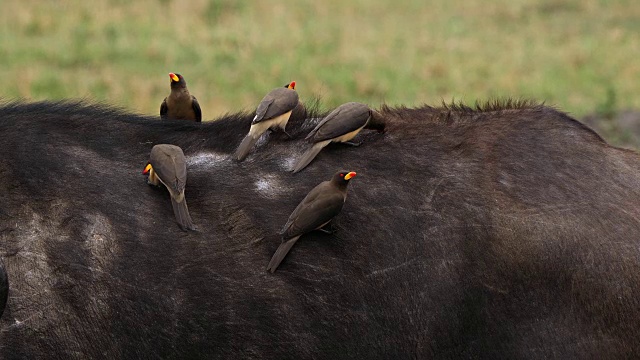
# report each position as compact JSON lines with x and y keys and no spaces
{"x":341,"y":175}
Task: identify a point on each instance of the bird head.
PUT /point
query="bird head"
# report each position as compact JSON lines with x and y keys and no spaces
{"x":343,"y":177}
{"x":376,"y":122}
{"x":147,"y":169}
{"x":291,"y":85}
{"x":177,"y":80}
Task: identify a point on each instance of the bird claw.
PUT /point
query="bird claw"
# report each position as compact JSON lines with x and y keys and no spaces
{"x":329,"y":231}
{"x":273,"y":130}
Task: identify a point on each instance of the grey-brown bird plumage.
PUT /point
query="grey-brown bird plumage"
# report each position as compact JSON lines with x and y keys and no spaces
{"x":273,"y":112}
{"x":316,"y":210}
{"x":180,"y":104}
{"x":340,"y":125}
{"x":167,"y":165}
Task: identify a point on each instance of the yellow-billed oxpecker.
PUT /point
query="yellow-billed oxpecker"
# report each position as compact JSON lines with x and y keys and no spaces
{"x":167,"y":165}
{"x":340,"y":125}
{"x":315,"y":211}
{"x":273,"y":112}
{"x":180,"y":104}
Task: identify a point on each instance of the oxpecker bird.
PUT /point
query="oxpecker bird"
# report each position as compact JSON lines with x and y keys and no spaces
{"x":180,"y":104}
{"x":341,"y":125}
{"x":167,"y":165}
{"x":315,"y":211}
{"x":273,"y":112}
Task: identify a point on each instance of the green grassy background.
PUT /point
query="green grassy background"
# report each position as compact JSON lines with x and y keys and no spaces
{"x":579,"y":55}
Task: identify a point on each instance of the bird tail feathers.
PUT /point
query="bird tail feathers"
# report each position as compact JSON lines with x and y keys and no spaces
{"x":181,"y":213}
{"x":245,"y":146}
{"x":279,"y":255}
{"x":309,"y":155}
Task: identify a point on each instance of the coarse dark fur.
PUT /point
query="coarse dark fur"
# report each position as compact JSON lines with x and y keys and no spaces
{"x":509,"y":230}
{"x":4,"y":287}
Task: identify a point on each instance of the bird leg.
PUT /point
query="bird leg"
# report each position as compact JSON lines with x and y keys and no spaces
{"x":351,"y":143}
{"x":328,"y":228}
{"x":271,"y":130}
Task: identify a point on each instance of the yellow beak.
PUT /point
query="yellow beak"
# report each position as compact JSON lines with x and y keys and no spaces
{"x":350,"y":175}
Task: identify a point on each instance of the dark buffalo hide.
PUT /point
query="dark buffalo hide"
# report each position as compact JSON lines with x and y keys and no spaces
{"x":508,"y":230}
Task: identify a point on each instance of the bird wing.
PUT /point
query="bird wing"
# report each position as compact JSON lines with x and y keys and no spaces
{"x":276,"y":103}
{"x":329,"y":117}
{"x":170,"y":165}
{"x":317,"y":208}
{"x":164,"y":109}
{"x":342,"y":120}
{"x":196,"y":108}
{"x":262,"y":109}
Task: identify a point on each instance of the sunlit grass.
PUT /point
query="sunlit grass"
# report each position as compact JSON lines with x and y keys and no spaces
{"x":568,"y":53}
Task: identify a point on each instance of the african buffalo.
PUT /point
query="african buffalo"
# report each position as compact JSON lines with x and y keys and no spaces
{"x":4,"y":288}
{"x":508,"y":230}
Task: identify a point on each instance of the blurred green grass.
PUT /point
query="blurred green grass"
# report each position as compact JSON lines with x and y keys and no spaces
{"x":572,"y":54}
